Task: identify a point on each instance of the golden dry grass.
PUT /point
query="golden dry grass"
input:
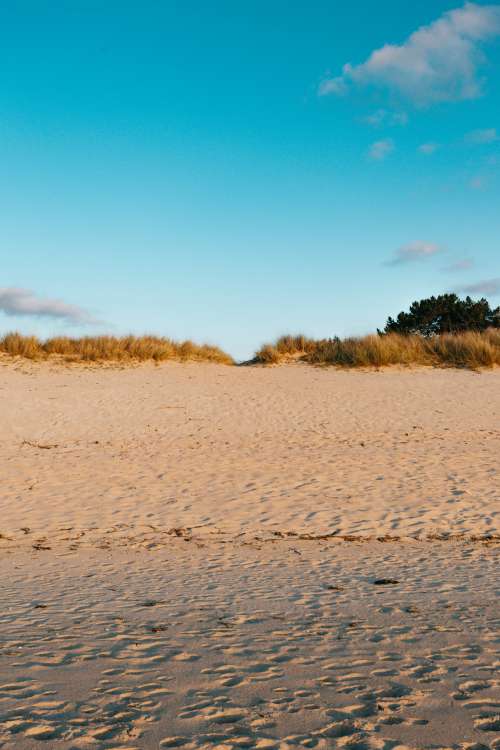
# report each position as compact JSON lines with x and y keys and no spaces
{"x":110,"y":348}
{"x":470,"y":349}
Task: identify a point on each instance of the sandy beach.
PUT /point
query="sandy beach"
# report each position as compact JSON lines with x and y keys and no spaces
{"x":203,"y":556}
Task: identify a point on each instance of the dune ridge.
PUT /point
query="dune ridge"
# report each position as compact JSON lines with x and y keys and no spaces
{"x":471,"y":350}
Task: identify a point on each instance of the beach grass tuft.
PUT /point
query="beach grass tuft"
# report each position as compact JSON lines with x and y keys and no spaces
{"x":111,"y":349}
{"x":470,"y":349}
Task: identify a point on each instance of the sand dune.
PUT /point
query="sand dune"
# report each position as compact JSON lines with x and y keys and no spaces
{"x":199,"y":556}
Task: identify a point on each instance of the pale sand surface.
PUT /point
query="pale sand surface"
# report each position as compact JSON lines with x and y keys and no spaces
{"x":158,"y":588}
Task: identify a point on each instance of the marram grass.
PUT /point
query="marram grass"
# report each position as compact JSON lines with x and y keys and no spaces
{"x":470,"y":349}
{"x":110,"y":348}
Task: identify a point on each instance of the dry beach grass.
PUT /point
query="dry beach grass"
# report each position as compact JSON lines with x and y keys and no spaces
{"x":471,"y":349}
{"x":110,"y":348}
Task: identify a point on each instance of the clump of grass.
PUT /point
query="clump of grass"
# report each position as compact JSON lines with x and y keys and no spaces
{"x":292,"y":345}
{"x":286,"y":347}
{"x":111,"y":348}
{"x":268,"y":355}
{"x":21,"y":346}
{"x":470,"y":349}
{"x":372,"y":351}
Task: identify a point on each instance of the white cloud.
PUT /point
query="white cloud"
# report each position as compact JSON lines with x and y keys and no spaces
{"x":380,"y":149}
{"x":383,"y":117}
{"x":333,"y":86}
{"x":489,"y":135}
{"x":488,"y":286}
{"x":23,"y":302}
{"x":428,"y":148}
{"x":439,"y":62}
{"x":414,"y":251}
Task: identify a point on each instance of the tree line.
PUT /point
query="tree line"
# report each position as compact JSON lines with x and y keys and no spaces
{"x":446,"y":313}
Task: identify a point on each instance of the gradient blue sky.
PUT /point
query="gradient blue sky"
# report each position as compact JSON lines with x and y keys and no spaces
{"x":206,"y":170}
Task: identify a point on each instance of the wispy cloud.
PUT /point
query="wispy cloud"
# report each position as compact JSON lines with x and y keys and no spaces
{"x":487,"y":286}
{"x":23,"y":302}
{"x":381,"y":149}
{"x":414,"y":251}
{"x":459,"y":265}
{"x":384,"y":117}
{"x":439,"y":62}
{"x":478,"y":183}
{"x":428,"y":148}
{"x":489,"y":135}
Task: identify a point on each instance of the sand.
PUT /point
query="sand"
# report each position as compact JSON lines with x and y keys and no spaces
{"x":200,"y":556}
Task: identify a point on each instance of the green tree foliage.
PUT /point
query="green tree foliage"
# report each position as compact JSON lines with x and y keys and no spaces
{"x":446,"y":313}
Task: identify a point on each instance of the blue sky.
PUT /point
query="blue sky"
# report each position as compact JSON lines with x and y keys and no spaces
{"x":232,"y":171}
